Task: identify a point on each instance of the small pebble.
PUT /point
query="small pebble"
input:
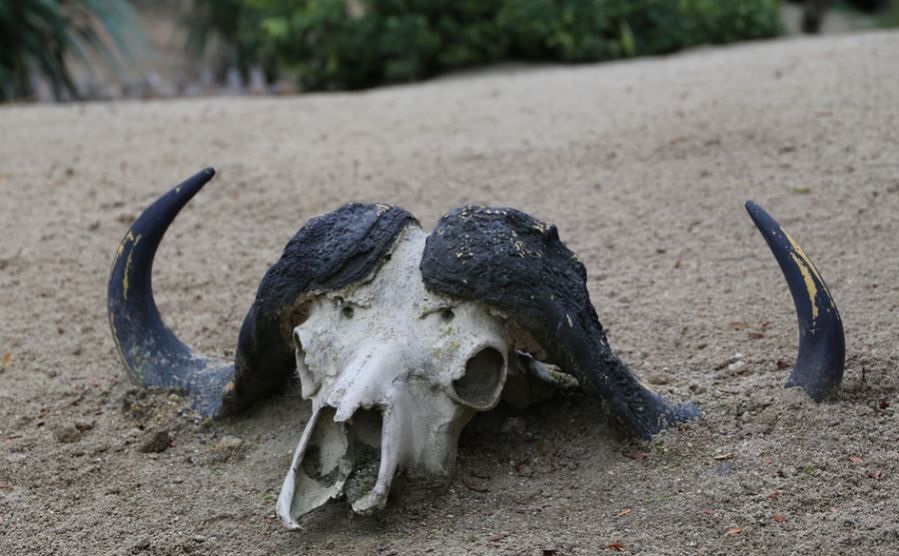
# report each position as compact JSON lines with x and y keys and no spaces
{"x":67,"y":434}
{"x":156,"y":443}
{"x":229,"y":444}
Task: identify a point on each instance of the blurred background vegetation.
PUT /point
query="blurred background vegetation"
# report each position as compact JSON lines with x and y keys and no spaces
{"x":39,"y":39}
{"x":353,"y":44}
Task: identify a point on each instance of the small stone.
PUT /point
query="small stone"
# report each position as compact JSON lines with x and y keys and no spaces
{"x":766,"y":420}
{"x":67,"y":434}
{"x":229,"y":444}
{"x":198,"y":538}
{"x":141,"y":545}
{"x":736,"y":366}
{"x":156,"y":443}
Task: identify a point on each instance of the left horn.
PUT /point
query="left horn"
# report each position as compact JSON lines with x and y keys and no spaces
{"x":822,"y":346}
{"x":153,"y":355}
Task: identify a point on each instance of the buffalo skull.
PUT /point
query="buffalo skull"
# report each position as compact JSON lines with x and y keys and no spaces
{"x":399,"y":337}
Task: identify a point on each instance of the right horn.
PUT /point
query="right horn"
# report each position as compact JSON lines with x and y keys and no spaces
{"x":822,"y":346}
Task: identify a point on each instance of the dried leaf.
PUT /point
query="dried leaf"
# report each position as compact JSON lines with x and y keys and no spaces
{"x":781,"y":364}
{"x":6,"y":485}
{"x":6,"y":357}
{"x":720,"y":457}
{"x":740,"y":325}
{"x":497,"y":537}
{"x":875,"y":474}
{"x":756,"y":335}
{"x":779,"y":518}
{"x":639,"y":456}
{"x":624,"y":512}
{"x":884,"y":404}
{"x":855,"y":460}
{"x":616,"y":546}
{"x":734,"y":531}
{"x":773,"y":496}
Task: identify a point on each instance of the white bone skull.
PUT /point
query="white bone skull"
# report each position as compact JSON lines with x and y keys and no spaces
{"x":394,"y":373}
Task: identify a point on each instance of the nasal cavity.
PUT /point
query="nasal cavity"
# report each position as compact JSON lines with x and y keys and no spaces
{"x":484,"y":374}
{"x":366,"y":426}
{"x":365,"y":453}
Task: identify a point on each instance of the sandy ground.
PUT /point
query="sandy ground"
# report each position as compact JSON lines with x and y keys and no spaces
{"x":644,"y":166}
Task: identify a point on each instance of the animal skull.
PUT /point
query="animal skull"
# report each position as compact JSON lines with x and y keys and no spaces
{"x":394,"y":372}
{"x":399,"y":337}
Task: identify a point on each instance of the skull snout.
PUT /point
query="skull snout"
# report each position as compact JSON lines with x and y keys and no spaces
{"x":335,"y":458}
{"x":366,"y":380}
{"x":385,"y":412}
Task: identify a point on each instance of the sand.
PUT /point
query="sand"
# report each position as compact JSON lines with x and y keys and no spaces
{"x":643,"y":165}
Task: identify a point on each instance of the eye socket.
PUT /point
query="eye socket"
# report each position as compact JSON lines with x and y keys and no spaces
{"x":485,"y":374}
{"x":299,"y":314}
{"x":347,"y":311}
{"x":447,"y":314}
{"x":308,"y":385}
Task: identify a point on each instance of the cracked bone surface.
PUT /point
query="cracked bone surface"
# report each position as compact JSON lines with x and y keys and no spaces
{"x":394,"y":372}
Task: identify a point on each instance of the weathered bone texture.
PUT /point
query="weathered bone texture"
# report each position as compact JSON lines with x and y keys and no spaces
{"x":517,"y":264}
{"x":394,"y":373}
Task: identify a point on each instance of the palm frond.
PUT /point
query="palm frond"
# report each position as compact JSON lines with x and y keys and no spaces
{"x":40,"y":36}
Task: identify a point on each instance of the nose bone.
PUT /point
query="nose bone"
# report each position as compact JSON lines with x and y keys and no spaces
{"x":364,"y":381}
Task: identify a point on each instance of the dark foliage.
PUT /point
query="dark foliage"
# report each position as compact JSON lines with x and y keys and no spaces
{"x":351,"y":44}
{"x":41,"y":37}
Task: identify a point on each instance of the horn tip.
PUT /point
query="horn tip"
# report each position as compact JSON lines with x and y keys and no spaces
{"x":758,"y":215}
{"x":192,"y":185}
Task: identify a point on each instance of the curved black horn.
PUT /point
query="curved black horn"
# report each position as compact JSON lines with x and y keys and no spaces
{"x":822,"y":346}
{"x":153,"y":355}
